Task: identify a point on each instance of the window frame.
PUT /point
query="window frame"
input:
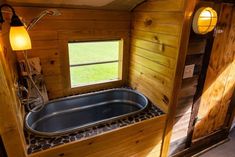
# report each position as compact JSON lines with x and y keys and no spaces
{"x":119,"y":61}
{"x":83,"y":35}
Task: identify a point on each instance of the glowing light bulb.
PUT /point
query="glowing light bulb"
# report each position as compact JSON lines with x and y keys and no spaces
{"x":19,"y":38}
{"x":204,"y":20}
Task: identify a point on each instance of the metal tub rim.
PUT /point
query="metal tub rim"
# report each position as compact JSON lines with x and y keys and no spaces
{"x":67,"y":131}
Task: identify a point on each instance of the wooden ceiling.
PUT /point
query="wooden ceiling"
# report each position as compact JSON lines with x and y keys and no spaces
{"x":91,"y":4}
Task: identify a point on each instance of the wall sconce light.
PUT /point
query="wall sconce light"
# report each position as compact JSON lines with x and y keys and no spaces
{"x":19,"y":37}
{"x":205,"y":20}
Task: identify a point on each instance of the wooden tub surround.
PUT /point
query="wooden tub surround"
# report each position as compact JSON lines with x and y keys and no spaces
{"x":128,"y":141}
{"x":37,"y":144}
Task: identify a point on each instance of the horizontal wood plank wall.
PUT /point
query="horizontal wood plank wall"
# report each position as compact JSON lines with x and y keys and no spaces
{"x":138,"y":140}
{"x":155,"y":41}
{"x":11,"y":113}
{"x":159,"y":38}
{"x":196,"y":49}
{"x":48,"y":34}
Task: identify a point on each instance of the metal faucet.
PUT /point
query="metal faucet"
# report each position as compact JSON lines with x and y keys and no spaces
{"x":24,"y":99}
{"x":20,"y":92}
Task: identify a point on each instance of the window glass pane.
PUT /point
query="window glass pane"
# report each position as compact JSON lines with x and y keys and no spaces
{"x":90,"y":52}
{"x":90,"y":74}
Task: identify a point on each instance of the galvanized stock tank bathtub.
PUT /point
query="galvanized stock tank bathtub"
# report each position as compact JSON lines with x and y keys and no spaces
{"x":69,"y":114}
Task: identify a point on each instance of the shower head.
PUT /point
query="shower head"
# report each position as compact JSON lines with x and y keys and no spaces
{"x":50,"y":12}
{"x":53,"y":12}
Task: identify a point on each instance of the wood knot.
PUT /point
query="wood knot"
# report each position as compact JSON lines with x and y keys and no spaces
{"x":61,"y":154}
{"x":52,"y":62}
{"x":148,"y":22}
{"x":165,"y":99}
{"x":156,"y":38}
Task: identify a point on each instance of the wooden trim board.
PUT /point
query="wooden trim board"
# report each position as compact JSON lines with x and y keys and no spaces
{"x":66,"y":36}
{"x":186,"y":27}
{"x":142,"y":139}
{"x":11,"y":130}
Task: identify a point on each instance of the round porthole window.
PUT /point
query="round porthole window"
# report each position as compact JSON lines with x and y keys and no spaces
{"x":204,"y":20}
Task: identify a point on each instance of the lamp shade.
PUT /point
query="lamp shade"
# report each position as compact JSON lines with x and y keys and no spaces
{"x":204,"y":20}
{"x":19,"y":38}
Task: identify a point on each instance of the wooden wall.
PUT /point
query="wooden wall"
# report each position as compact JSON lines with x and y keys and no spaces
{"x":51,"y":34}
{"x":155,"y":41}
{"x":220,"y":78}
{"x":11,"y":112}
{"x":195,"y":54}
{"x":198,"y":54}
{"x":159,"y":39}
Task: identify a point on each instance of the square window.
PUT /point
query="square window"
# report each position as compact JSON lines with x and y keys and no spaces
{"x":94,"y":62}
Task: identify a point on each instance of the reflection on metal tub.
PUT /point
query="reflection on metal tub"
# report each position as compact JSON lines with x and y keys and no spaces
{"x":72,"y":113}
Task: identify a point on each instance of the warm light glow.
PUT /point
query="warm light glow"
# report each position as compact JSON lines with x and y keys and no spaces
{"x":19,"y":38}
{"x":204,"y":20}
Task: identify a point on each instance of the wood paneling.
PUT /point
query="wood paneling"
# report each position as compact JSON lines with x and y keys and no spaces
{"x":51,"y":35}
{"x":138,"y":140}
{"x":198,"y":50}
{"x":159,"y":38}
{"x":155,"y":45}
{"x":180,"y":128}
{"x":155,"y":27}
{"x":195,"y":55}
{"x":220,"y":79}
{"x":185,"y":103}
{"x":196,"y":46}
{"x":159,"y":5}
{"x":11,"y":113}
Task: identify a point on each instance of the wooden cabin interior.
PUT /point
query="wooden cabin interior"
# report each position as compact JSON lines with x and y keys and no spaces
{"x":116,"y":78}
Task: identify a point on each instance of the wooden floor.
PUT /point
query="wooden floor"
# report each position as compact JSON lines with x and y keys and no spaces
{"x":225,"y":150}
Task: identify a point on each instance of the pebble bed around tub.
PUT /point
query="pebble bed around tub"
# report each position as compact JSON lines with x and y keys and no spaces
{"x":37,"y":143}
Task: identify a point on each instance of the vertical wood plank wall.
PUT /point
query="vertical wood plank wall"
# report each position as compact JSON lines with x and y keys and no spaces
{"x":155,"y":41}
{"x":11,"y":115}
{"x":48,"y":34}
